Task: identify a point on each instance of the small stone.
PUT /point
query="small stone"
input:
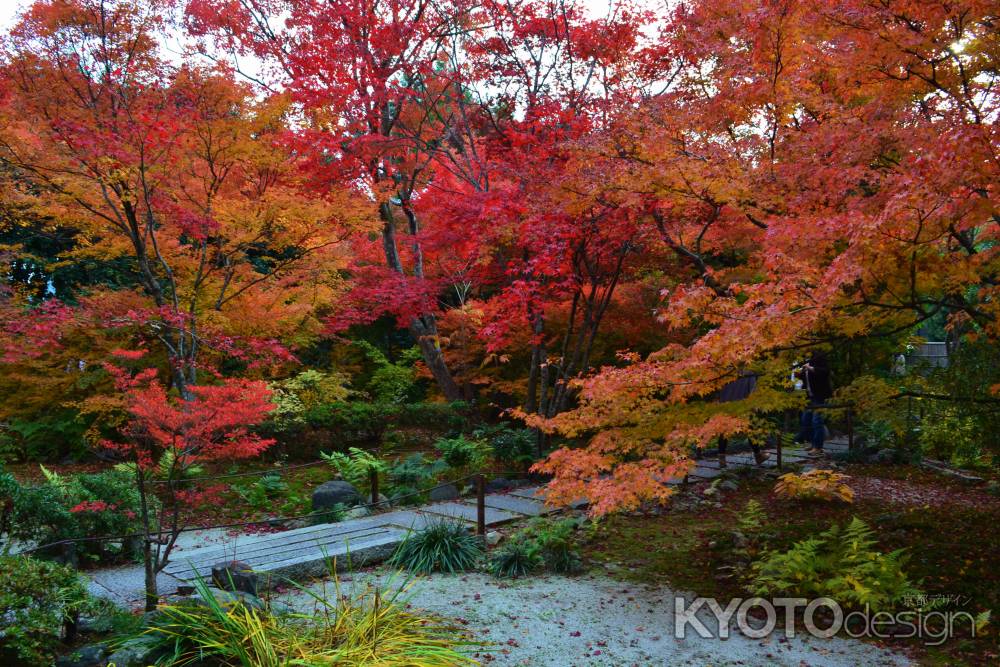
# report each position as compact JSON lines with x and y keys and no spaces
{"x":443,"y":493}
{"x":729,"y":485}
{"x":493,"y":538}
{"x":235,"y":576}
{"x":358,"y":513}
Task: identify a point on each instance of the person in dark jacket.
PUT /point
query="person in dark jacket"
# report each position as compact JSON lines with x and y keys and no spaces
{"x":815,"y":377}
{"x":737,"y":390}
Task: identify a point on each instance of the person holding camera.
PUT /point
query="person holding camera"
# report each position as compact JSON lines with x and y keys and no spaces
{"x":815,"y":378}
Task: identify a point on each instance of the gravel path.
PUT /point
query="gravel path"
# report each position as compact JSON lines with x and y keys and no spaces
{"x":592,"y":620}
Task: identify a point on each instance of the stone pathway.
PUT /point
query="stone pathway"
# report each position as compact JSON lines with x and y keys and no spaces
{"x":307,"y":552}
{"x":302,"y":553}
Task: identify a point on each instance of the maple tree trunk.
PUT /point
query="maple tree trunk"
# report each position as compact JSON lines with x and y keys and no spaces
{"x":537,"y":359}
{"x":430,"y":348}
{"x":148,"y":557}
{"x":424,"y":327}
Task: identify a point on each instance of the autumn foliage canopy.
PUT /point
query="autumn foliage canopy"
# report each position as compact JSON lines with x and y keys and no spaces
{"x":591,"y":219}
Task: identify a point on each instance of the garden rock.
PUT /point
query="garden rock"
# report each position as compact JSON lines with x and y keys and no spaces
{"x":729,"y":485}
{"x":883,"y":456}
{"x":133,"y":653}
{"x":443,"y":493}
{"x":87,"y":656}
{"x":358,"y":512}
{"x":230,"y":599}
{"x":493,"y":538}
{"x":335,"y":492}
{"x":235,"y":576}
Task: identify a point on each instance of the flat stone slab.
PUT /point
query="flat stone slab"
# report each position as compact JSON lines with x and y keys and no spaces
{"x":538,"y":493}
{"x":274,"y":552}
{"x":534,"y":492}
{"x":705,"y":473}
{"x":468,"y":513}
{"x":511,"y":503}
{"x":749,"y":461}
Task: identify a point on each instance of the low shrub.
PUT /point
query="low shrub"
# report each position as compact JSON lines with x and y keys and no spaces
{"x":463,"y":453}
{"x":842,"y":564}
{"x":86,"y":505}
{"x":37,"y":600}
{"x":814,"y":485}
{"x":515,"y":559}
{"x":512,"y":446}
{"x":555,"y":544}
{"x":261,"y":493}
{"x":412,"y":477}
{"x":541,"y":543}
{"x":446,"y":546}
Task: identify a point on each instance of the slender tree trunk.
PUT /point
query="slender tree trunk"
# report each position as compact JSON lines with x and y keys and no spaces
{"x":148,"y":557}
{"x":423,"y":328}
{"x":537,"y":327}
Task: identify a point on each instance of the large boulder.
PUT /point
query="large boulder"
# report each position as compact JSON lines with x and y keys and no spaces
{"x":335,"y":492}
{"x":443,"y":493}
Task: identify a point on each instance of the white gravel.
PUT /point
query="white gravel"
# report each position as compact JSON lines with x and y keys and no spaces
{"x":593,"y":620}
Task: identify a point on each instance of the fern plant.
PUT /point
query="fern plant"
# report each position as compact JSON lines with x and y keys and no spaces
{"x":168,"y":465}
{"x":842,"y":564}
{"x":356,"y":466}
{"x":752,"y":519}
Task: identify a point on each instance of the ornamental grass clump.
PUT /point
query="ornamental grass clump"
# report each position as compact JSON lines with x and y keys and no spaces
{"x":369,"y":627}
{"x":445,"y":546}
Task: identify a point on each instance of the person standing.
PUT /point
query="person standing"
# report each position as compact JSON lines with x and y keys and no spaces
{"x":737,"y":390}
{"x":815,"y":377}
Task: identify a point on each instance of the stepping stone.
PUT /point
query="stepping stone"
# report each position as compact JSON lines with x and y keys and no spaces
{"x":534,"y":492}
{"x":511,"y":503}
{"x":705,"y":473}
{"x":468,"y":513}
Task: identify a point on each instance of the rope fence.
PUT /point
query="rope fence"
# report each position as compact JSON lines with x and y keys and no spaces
{"x":478,"y":479}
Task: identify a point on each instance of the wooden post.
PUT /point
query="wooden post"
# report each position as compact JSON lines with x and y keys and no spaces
{"x":850,"y":429}
{"x":777,"y":449}
{"x":373,"y":478}
{"x":480,"y":505}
